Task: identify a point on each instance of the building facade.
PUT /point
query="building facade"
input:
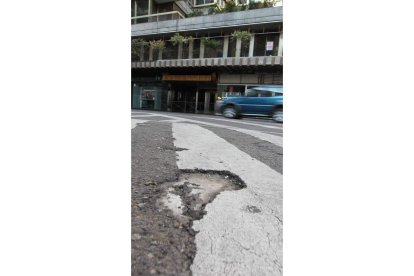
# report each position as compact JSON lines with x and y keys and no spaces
{"x":183,"y":63}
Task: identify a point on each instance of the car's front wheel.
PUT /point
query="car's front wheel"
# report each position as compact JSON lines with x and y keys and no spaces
{"x":277,"y":115}
{"x":230,"y":112}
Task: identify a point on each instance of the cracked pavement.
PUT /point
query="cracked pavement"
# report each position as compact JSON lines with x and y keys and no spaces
{"x":241,"y":232}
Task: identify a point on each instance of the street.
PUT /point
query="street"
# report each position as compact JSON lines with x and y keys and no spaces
{"x":206,"y":195}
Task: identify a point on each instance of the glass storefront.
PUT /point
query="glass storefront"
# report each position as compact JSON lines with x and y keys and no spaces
{"x":146,"y":97}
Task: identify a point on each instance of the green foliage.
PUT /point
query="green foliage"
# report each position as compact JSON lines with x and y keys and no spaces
{"x":195,"y":12}
{"x":177,"y":38}
{"x":157,"y":44}
{"x":243,"y":35}
{"x":211,"y":43}
{"x":231,"y":7}
{"x":136,"y":44}
{"x":216,"y":9}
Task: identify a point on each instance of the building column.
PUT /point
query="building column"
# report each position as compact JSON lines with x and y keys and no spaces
{"x":141,"y":52}
{"x":225,"y":46}
{"x":206,"y":102}
{"x":251,"y":45}
{"x":180,"y":50}
{"x":196,"y":102}
{"x":201,"y":49}
{"x":159,"y":54}
{"x":190,"y":48}
{"x":238,"y":47}
{"x":280,"y":46}
{"x":151,"y":51}
{"x":135,"y":10}
{"x":169,"y":100}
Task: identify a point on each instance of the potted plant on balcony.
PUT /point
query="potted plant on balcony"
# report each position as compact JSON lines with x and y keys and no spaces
{"x":177,"y":38}
{"x":137,"y":48}
{"x":244,"y":36}
{"x":157,"y":44}
{"x":211,"y":45}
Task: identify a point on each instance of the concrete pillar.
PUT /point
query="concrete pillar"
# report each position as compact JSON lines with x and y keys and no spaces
{"x":135,"y":10}
{"x":180,"y":50}
{"x":251,"y":45}
{"x":225,"y":46}
{"x":196,"y":102}
{"x":142,"y":52}
{"x":280,"y":46}
{"x":151,"y":51}
{"x":201,"y":49}
{"x":159,"y":54}
{"x":206,"y":102}
{"x":169,"y":97}
{"x":190,"y":48}
{"x":238,"y":47}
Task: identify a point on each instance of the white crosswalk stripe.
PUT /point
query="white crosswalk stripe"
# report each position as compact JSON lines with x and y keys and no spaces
{"x":231,"y":240}
{"x":274,"y":139}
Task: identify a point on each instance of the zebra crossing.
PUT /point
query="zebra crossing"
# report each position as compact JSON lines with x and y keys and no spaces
{"x":241,"y":232}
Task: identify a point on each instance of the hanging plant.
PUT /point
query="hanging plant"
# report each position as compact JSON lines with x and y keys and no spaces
{"x":243,"y":35}
{"x":157,"y":44}
{"x":140,"y":42}
{"x":230,"y":6}
{"x":177,"y":38}
{"x":212,"y":43}
{"x":136,"y":45}
{"x":216,"y":9}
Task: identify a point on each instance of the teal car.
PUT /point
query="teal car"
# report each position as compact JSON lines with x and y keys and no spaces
{"x":259,"y":101}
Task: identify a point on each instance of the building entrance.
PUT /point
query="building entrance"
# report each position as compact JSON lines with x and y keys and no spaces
{"x":191,"y":99}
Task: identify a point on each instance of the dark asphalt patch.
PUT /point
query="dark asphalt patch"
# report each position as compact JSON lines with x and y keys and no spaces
{"x":160,"y":244}
{"x":264,"y":151}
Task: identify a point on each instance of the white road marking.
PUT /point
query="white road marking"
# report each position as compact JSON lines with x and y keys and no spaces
{"x":240,"y":122}
{"x":241,"y":234}
{"x":274,"y":139}
{"x":144,"y":115}
{"x":134,"y":122}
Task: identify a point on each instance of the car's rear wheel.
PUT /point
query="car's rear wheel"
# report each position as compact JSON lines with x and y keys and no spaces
{"x":277,"y":115}
{"x":230,"y":112}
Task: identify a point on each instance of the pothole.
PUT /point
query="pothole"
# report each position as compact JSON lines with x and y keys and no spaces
{"x":194,"y":189}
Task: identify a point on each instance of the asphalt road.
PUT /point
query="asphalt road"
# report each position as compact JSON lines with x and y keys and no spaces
{"x":189,"y":229}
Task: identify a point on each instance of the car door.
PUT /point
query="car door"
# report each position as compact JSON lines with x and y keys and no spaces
{"x":250,"y":103}
{"x":257,"y":103}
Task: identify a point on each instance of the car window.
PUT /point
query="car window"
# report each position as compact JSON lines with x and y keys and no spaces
{"x":252,"y":93}
{"x":265,"y":94}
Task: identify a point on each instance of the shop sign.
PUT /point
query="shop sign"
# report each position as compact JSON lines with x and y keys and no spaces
{"x":187,"y":78}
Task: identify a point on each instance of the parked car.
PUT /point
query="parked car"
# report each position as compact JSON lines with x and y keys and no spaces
{"x":259,"y":101}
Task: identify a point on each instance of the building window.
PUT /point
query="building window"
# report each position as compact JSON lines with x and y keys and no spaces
{"x":266,"y":44}
{"x":139,"y":8}
{"x":203,"y":2}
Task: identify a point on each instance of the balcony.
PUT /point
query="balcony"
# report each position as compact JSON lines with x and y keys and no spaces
{"x":217,"y":21}
{"x":165,"y":16}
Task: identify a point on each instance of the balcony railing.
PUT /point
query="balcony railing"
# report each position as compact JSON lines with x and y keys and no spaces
{"x":211,"y":62}
{"x":157,"y":17}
